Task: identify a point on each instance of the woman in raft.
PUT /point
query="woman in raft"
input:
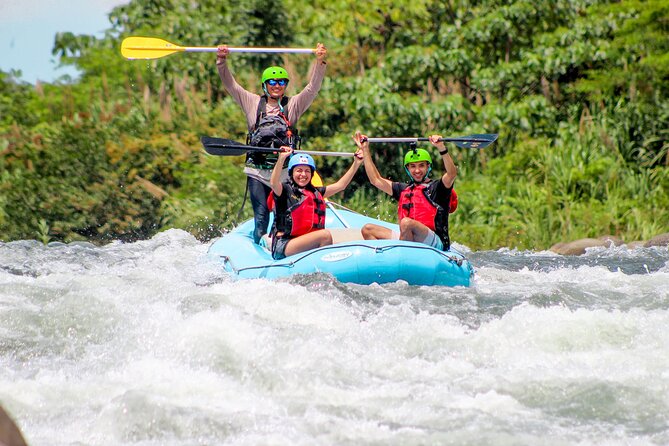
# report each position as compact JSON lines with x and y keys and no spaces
{"x":299,"y":207}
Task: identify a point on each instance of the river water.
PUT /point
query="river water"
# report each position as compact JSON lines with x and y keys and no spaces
{"x":149,"y":343}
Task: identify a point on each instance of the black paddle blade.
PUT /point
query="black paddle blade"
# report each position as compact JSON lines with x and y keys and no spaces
{"x":229,"y":147}
{"x":221,"y":147}
{"x":479,"y":141}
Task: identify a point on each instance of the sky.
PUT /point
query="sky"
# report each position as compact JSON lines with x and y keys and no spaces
{"x":28,"y":28}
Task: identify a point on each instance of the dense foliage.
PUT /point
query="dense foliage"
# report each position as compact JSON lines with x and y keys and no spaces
{"x":577,"y":89}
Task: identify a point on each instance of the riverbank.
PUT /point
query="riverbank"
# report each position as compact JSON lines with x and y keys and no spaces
{"x":579,"y":247}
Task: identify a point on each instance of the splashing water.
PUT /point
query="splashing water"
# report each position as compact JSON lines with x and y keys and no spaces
{"x":151,"y":343}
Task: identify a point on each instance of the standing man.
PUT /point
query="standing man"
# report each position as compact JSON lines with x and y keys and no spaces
{"x":423,"y":204}
{"x":270,"y":119}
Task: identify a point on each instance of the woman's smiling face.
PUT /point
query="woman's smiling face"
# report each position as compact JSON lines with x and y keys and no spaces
{"x":302,"y":175}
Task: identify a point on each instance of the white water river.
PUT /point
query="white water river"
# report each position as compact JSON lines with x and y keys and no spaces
{"x":149,"y":343}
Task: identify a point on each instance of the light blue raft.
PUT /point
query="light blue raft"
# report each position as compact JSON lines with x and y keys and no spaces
{"x":349,"y":259}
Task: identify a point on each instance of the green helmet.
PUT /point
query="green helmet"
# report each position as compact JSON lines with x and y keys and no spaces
{"x":415,"y":156}
{"x":274,"y":73}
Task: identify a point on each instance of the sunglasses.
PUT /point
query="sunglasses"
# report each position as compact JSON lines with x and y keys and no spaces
{"x":280,"y":82}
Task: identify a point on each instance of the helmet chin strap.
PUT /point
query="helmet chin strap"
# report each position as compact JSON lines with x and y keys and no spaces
{"x":429,"y":171}
{"x":422,"y":180}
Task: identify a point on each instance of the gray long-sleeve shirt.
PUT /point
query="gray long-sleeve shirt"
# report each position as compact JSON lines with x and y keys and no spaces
{"x":248,"y":101}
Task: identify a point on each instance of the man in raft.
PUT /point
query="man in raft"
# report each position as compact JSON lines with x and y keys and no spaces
{"x":423,"y":204}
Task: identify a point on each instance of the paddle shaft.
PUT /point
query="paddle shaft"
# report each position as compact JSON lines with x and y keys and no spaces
{"x":236,"y":150}
{"x":402,"y":140}
{"x":228,"y":147}
{"x":324,"y":153}
{"x":478,"y":141}
{"x":330,"y":206}
{"x":213,"y":49}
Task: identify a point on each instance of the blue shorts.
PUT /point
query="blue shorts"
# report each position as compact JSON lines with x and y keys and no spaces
{"x":279,"y":247}
{"x":433,"y":240}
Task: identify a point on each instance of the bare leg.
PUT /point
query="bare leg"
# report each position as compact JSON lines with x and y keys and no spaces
{"x":10,"y":434}
{"x":315,"y":239}
{"x":375,"y":232}
{"x":412,"y":230}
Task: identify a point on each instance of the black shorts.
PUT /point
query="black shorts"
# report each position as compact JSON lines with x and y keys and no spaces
{"x":279,"y":247}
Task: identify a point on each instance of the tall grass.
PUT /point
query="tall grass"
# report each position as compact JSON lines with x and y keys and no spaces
{"x":579,"y":186}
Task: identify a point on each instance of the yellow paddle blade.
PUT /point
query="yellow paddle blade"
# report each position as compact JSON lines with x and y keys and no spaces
{"x":147,"y":48}
{"x":316,"y":180}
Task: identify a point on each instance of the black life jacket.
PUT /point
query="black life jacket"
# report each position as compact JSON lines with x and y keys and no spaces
{"x":270,"y":131}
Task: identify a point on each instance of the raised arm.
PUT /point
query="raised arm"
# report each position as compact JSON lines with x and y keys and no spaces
{"x":275,"y":179}
{"x":370,"y":168}
{"x":247,"y":101}
{"x":451,"y":171}
{"x":300,"y":102}
{"x":345,"y":180}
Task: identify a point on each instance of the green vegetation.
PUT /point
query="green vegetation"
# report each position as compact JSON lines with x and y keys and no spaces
{"x":577,"y":89}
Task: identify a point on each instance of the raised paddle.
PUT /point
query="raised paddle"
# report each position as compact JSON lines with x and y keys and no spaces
{"x":478,"y":141}
{"x":155,"y":48}
{"x":228,"y":147}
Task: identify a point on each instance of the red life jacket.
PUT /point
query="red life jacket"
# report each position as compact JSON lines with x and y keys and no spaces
{"x":414,"y":203}
{"x":453,"y":202}
{"x":305,"y":212}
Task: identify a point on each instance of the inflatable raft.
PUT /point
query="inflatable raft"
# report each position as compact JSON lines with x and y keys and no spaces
{"x":349,"y":259}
